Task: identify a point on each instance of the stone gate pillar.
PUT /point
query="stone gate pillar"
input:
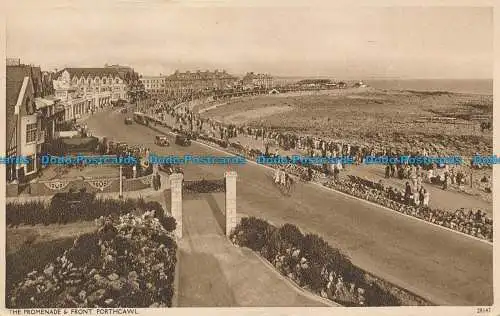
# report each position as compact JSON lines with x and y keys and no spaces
{"x":176,"y":201}
{"x":231,"y":220}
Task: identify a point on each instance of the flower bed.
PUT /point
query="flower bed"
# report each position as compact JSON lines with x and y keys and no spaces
{"x":129,"y":262}
{"x":316,"y":266}
{"x":205,"y":186}
{"x":471,"y":223}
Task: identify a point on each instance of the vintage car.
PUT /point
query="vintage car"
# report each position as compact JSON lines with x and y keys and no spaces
{"x":170,"y":169}
{"x":129,"y":121}
{"x":121,"y":147}
{"x":182,"y":140}
{"x":161,"y":140}
{"x":117,"y":148}
{"x":193,"y":135}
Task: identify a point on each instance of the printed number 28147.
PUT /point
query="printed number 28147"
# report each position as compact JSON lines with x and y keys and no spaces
{"x":482,"y":310}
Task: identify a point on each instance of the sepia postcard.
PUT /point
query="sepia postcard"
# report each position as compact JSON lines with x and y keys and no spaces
{"x":297,"y":158}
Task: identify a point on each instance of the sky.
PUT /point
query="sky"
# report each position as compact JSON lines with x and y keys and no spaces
{"x":339,"y":42}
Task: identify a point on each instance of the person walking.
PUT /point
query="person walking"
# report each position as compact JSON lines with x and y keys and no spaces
{"x":155,"y":183}
{"x":421,"y":194}
{"x":445,"y":182}
{"x":407,"y":193}
{"x":336,"y":172}
{"x":158,"y":180}
{"x":426,"y":198}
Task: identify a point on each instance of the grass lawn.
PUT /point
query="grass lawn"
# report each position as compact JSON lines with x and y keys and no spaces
{"x":32,"y":247}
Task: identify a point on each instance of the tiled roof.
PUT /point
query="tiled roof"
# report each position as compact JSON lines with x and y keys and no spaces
{"x":93,"y":72}
{"x":29,"y":71}
{"x":15,"y":76}
{"x":251,"y":76}
{"x":202,"y":75}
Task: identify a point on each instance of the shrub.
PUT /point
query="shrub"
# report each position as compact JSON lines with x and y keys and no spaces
{"x":376,"y":296}
{"x":168,"y":223}
{"x":153,"y":206}
{"x":291,"y":234}
{"x":256,"y":233}
{"x":75,"y":206}
{"x":315,"y":249}
{"x":29,"y":213}
{"x":313,"y":278}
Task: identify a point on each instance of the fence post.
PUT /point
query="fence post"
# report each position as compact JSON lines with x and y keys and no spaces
{"x":230,"y":201}
{"x":176,"y":201}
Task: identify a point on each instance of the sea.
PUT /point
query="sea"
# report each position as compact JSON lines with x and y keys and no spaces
{"x":469,"y":86}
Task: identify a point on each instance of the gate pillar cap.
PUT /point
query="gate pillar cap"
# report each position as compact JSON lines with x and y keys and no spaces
{"x":230,"y":174}
{"x":176,"y":176}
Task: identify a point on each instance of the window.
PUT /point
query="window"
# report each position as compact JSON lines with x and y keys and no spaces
{"x":30,"y":167}
{"x":31,"y":133}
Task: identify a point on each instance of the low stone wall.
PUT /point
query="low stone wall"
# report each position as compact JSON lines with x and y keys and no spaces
{"x":137,"y":183}
{"x":97,"y":185}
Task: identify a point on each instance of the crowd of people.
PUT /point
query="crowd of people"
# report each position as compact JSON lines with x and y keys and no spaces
{"x":312,"y":145}
{"x":416,"y":203}
{"x":413,"y":200}
{"x":418,"y":174}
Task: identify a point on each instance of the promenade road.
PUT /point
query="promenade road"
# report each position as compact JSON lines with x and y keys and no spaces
{"x":442,"y":266}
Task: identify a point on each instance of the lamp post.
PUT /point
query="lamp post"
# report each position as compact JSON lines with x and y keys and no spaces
{"x":121,"y":182}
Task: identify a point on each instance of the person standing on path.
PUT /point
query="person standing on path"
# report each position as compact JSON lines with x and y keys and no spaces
{"x":426,"y":198}
{"x":158,"y":180}
{"x":155,"y":182}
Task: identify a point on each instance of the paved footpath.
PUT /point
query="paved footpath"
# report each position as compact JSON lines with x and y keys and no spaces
{"x":215,"y":273}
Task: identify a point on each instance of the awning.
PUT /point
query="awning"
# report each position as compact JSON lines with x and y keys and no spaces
{"x":43,"y":102}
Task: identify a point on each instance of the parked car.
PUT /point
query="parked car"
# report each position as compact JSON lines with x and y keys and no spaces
{"x":170,"y":169}
{"x":182,"y":140}
{"x":161,"y":140}
{"x":129,"y":121}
